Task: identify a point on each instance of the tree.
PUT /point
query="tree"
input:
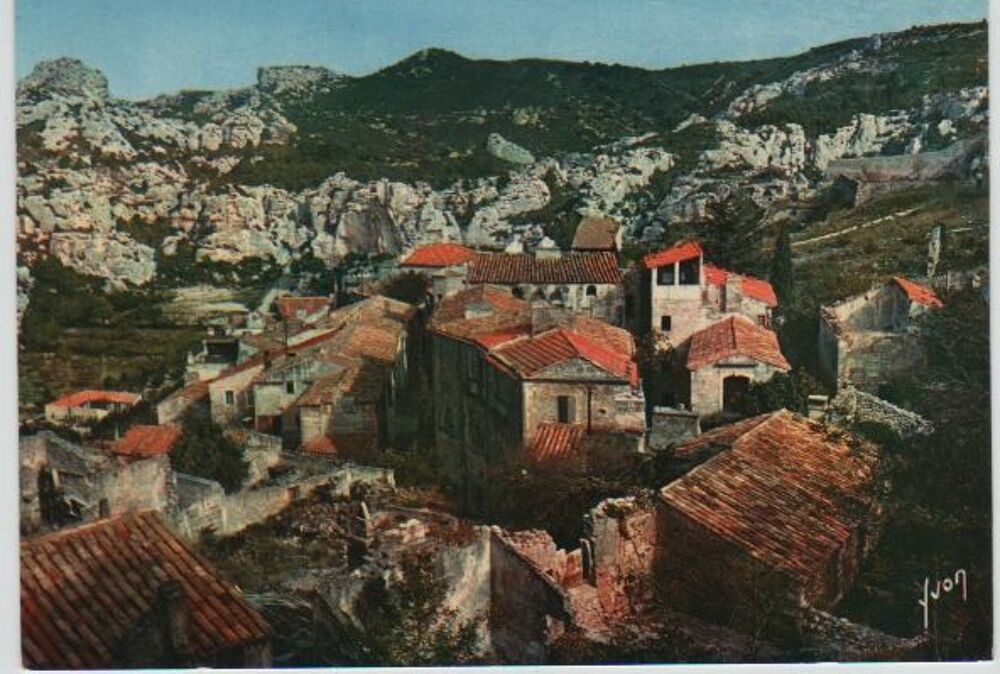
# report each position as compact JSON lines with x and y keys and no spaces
{"x":410,"y":287}
{"x":782,"y":272}
{"x":205,"y":451}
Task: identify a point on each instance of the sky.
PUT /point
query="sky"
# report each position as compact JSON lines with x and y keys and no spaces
{"x":148,"y":47}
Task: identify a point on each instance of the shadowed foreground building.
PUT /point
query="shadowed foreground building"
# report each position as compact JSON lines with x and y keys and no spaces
{"x":126,"y":592}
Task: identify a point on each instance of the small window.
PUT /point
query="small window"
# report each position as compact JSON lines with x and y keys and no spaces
{"x":690,"y":272}
{"x":517,"y":292}
{"x":665,"y":275}
{"x":591,"y":291}
{"x":230,"y":398}
{"x":665,"y":323}
{"x":762,"y":320}
{"x":290,"y":387}
{"x":564,"y":409}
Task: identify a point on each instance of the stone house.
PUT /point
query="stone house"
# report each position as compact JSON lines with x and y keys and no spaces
{"x":89,"y":406}
{"x":62,"y":483}
{"x":724,"y":359}
{"x":867,"y":339}
{"x":675,"y":293}
{"x":596,"y":235}
{"x":776,"y":517}
{"x":125,"y":592}
{"x":444,"y":263}
{"x":584,"y":283}
{"x":501,"y":367}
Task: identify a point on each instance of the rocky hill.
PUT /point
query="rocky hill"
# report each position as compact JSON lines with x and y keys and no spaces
{"x":311,"y":163}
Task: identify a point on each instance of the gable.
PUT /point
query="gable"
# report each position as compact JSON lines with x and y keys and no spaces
{"x":574,"y":369}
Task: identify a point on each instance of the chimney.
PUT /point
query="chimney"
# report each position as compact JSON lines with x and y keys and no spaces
{"x":515,"y":247}
{"x":103,"y":509}
{"x":173,"y":606}
{"x":734,"y":293}
{"x":543,"y":316}
{"x":547,"y":250}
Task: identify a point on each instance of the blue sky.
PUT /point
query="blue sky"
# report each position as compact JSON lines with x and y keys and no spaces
{"x":146,"y":47}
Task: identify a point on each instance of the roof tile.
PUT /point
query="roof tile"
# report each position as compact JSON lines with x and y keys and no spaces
{"x":503,"y":268}
{"x":734,"y":336}
{"x":438,"y":255}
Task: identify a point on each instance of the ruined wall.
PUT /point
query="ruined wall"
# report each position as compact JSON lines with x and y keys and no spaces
{"x":623,"y":538}
{"x":528,"y":609}
{"x":133,"y":485}
{"x":870,"y":359}
{"x":851,"y":406}
{"x":228,"y":514}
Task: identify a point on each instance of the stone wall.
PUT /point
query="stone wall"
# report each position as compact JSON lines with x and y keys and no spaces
{"x":605,"y":403}
{"x":851,"y":406}
{"x":239,"y":384}
{"x":670,"y":426}
{"x":208,"y":507}
{"x":528,"y":609}
{"x":623,"y":540}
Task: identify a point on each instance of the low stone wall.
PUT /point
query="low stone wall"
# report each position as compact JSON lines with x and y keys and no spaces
{"x":204,"y":506}
{"x":851,"y":406}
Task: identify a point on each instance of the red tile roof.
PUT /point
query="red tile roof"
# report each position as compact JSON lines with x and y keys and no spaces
{"x":506,"y":312}
{"x":788,"y":492}
{"x":734,"y":336}
{"x":84,"y":589}
{"x":677,"y":253}
{"x":299,"y":307}
{"x":530,"y":355}
{"x":754,"y":288}
{"x":555,"y":442}
{"x":438,"y":255}
{"x":145,"y":441}
{"x":94,"y":396}
{"x":503,"y":268}
{"x":918,"y":293}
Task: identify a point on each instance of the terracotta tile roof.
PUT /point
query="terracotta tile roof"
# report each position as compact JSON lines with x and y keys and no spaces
{"x":95,"y":396}
{"x":596,"y":234}
{"x":787,"y":491}
{"x":503,"y":312}
{"x":754,"y":288}
{"x":555,"y":442}
{"x":734,"y":336}
{"x":530,"y":355}
{"x":438,"y":255}
{"x":84,"y":589}
{"x":677,"y":253}
{"x":918,"y":293}
{"x":301,"y":307}
{"x":144,"y":441}
{"x":503,"y":268}
{"x":379,"y":341}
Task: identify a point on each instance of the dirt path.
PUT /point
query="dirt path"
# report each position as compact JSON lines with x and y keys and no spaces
{"x":853,"y":228}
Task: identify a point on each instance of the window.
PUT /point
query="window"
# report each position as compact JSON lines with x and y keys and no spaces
{"x":591,"y":291}
{"x":564,"y":409}
{"x":230,"y":398}
{"x":665,"y":323}
{"x":690,"y":272}
{"x":665,"y":275}
{"x":289,"y":387}
{"x":762,"y":320}
{"x":517,"y":292}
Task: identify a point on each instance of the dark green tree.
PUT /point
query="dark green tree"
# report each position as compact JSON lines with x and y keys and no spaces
{"x":782,"y":273}
{"x":205,"y":451}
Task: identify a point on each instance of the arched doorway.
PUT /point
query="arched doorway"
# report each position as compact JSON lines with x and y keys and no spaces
{"x":734,"y":393}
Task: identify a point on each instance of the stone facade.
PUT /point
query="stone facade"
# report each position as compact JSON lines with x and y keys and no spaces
{"x":231,"y":396}
{"x":708,"y":384}
{"x":866,"y":340}
{"x":683,"y":295}
{"x":63,"y":483}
